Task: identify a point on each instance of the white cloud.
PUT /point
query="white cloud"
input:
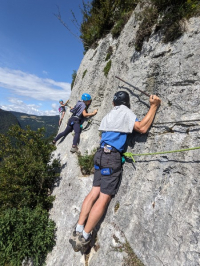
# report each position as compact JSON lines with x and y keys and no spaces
{"x":25,"y":84}
{"x":54,"y":106}
{"x":16,"y":101}
{"x":33,"y":109}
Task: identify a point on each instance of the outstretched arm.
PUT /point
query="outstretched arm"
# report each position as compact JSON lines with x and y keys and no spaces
{"x":85,"y":114}
{"x":66,"y":103}
{"x":146,"y":122}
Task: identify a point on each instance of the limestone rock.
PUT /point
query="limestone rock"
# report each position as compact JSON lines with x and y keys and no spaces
{"x":158,"y":203}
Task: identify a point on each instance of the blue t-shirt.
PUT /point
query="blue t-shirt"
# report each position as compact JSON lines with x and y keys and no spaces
{"x":115,"y":139}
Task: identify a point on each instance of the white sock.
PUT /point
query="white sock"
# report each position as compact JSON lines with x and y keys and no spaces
{"x":86,"y":235}
{"x":79,"y":228}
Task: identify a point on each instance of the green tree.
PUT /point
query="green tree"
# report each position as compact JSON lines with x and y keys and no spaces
{"x":25,"y":234}
{"x":26,"y":176}
{"x":100,"y":16}
{"x":168,"y":16}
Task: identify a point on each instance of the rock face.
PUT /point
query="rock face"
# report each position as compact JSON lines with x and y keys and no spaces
{"x":156,"y":212}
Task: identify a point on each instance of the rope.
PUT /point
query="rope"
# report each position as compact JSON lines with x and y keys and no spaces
{"x":130,"y":154}
{"x":175,"y":122}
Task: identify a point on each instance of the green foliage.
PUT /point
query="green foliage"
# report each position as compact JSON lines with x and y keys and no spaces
{"x":119,"y":25}
{"x":100,"y":16}
{"x":149,"y":17}
{"x":109,"y":53}
{"x":107,"y":68}
{"x":185,"y":8}
{"x":116,"y":206}
{"x":131,"y":259}
{"x":25,"y":234}
{"x":26,"y":177}
{"x":86,"y":162}
{"x":173,"y":15}
{"x":168,"y":16}
{"x":84,"y":73}
{"x":103,"y":16}
{"x":26,"y":182}
{"x":73,"y":78}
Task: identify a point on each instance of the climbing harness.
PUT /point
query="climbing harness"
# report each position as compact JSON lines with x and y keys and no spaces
{"x":123,"y":159}
{"x":130,"y":154}
{"x":61,"y":109}
{"x":87,"y":127}
{"x":89,"y":123}
{"x":107,"y":149}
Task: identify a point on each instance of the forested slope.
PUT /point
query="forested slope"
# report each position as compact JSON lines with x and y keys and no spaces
{"x":7,"y":119}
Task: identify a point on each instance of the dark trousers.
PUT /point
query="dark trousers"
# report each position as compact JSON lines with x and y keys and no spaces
{"x":72,"y":124}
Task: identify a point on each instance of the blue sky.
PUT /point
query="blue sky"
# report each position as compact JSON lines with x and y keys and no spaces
{"x":37,"y":54}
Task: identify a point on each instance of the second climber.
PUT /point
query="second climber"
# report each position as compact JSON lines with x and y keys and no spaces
{"x":79,"y":111}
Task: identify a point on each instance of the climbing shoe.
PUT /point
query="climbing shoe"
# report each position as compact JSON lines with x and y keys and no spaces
{"x":74,"y":148}
{"x":73,"y":238}
{"x":79,"y":243}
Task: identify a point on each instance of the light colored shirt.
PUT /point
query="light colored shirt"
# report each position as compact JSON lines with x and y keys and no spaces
{"x":119,"y":119}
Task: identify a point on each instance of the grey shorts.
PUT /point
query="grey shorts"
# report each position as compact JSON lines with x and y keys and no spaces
{"x":109,"y":184}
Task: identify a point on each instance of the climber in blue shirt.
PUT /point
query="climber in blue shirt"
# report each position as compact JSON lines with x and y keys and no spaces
{"x":115,"y":127}
{"x":78,"y":112}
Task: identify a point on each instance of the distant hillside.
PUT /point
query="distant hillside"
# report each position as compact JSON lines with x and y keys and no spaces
{"x":7,"y":119}
{"x":50,"y":123}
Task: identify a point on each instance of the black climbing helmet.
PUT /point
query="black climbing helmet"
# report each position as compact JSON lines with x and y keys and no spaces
{"x":121,"y":97}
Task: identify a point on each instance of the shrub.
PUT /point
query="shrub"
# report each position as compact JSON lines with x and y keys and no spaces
{"x":149,"y":17}
{"x":107,"y":68}
{"x":73,"y":78}
{"x":100,"y":16}
{"x":26,"y":181}
{"x":109,"y":53}
{"x":131,"y":259}
{"x":26,"y":177}
{"x":84,"y":73}
{"x":25,"y":234}
{"x":86,"y":162}
{"x":171,"y":19}
{"x":119,"y":25}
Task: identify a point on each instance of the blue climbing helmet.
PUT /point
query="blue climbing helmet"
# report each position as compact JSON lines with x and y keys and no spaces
{"x":60,"y":100}
{"x":86,"y":97}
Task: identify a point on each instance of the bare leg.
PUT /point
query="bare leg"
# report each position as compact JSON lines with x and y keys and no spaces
{"x":97,"y":212}
{"x":60,"y":121}
{"x":88,"y":203}
{"x":63,"y":115}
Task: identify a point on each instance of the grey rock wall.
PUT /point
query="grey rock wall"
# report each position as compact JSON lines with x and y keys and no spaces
{"x":157,"y":209}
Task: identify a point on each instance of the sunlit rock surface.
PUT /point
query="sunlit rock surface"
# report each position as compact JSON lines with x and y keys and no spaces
{"x":156,"y":210}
